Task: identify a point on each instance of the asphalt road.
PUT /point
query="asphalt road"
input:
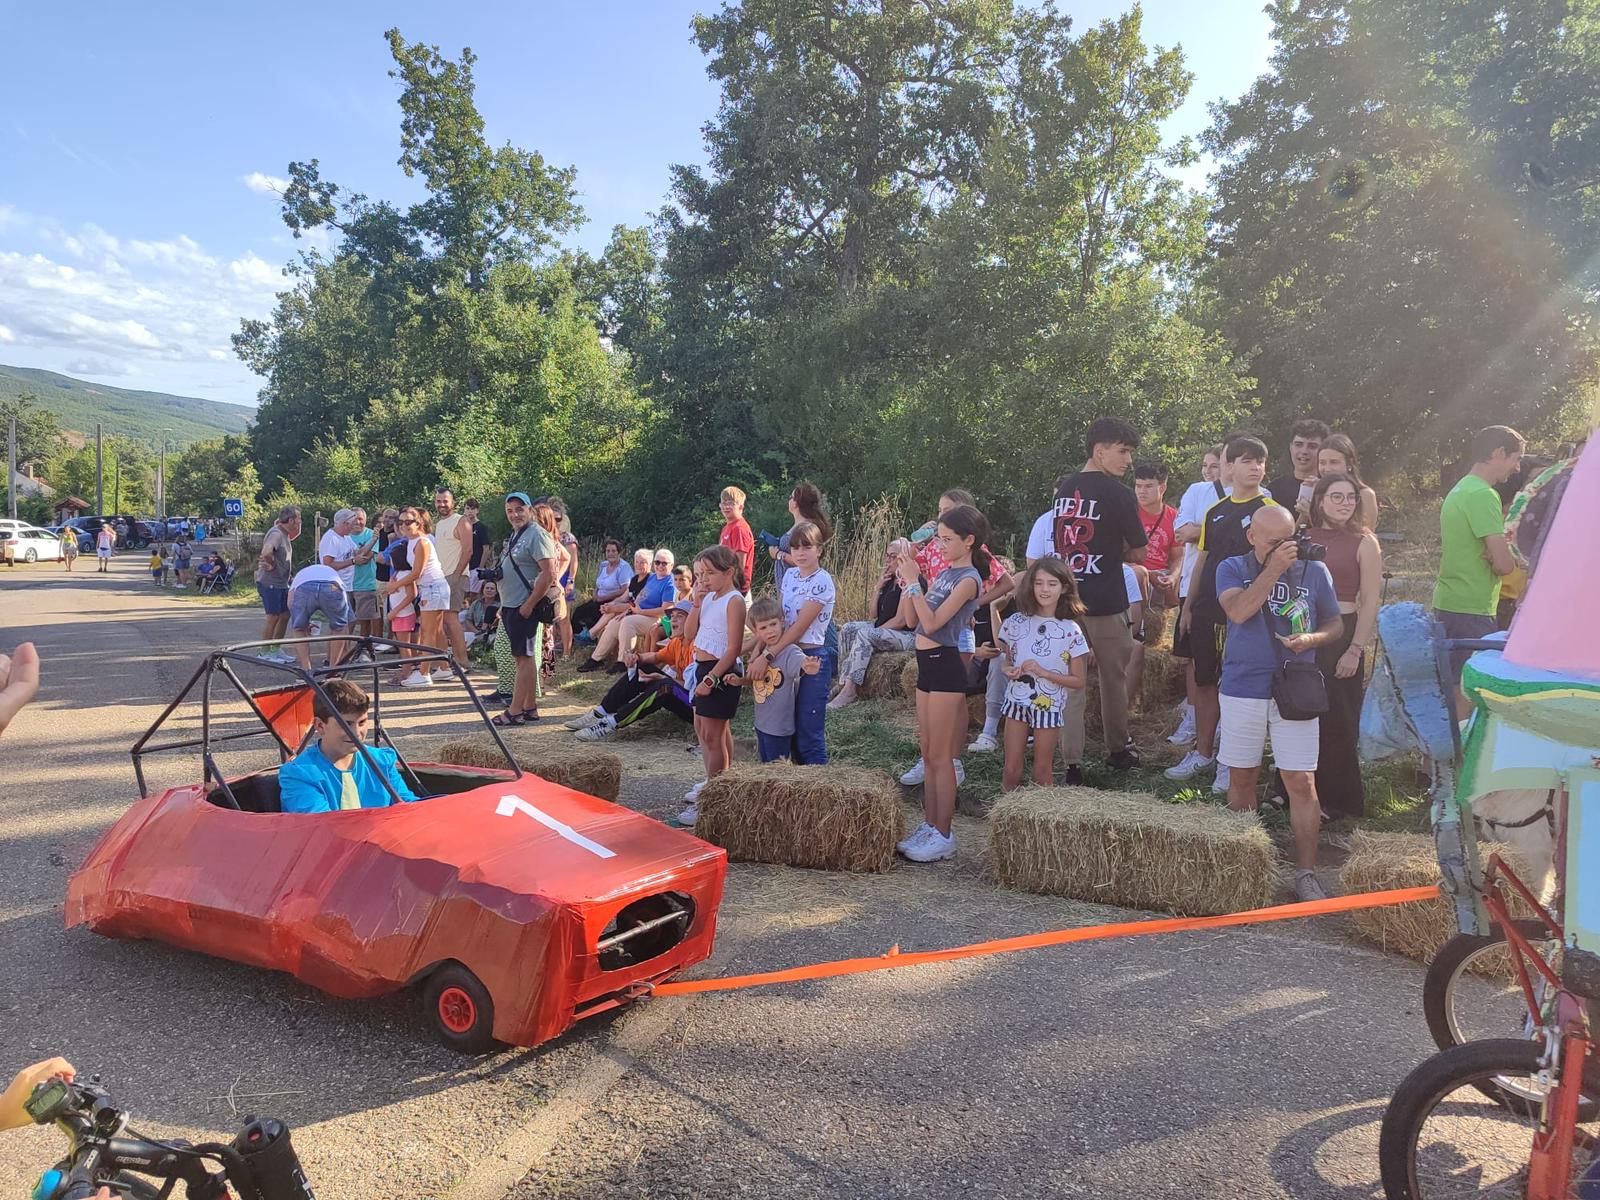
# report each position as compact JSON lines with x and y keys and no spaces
{"x":1239,"y":1063}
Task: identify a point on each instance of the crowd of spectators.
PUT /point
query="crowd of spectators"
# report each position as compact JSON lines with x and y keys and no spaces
{"x":1263,"y":582}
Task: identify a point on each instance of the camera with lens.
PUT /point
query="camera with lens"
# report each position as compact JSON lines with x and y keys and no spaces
{"x":490,"y":574}
{"x":1307,"y":550}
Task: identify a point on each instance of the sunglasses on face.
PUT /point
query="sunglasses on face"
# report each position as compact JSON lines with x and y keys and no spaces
{"x":661,"y":562}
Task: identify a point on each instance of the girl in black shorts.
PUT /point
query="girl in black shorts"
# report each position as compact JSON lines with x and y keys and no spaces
{"x":715,"y":629}
{"x":941,"y":615}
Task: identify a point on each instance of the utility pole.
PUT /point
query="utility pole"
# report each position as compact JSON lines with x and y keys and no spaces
{"x":116,"y":488}
{"x":99,"y":475}
{"x":11,"y":459}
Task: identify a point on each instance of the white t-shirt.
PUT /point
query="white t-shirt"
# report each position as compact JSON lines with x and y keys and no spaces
{"x":1197,"y":501}
{"x":338,"y":547}
{"x":316,"y":573}
{"x":1050,"y":642}
{"x":1131,"y":582}
{"x":613,"y":579}
{"x":1041,"y":538}
{"x":796,"y":593}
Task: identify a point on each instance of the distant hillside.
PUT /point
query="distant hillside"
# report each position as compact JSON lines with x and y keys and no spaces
{"x":78,"y":405}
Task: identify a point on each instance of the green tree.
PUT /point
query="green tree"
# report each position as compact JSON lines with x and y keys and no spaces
{"x":38,"y":431}
{"x":1408,"y":218}
{"x":199,"y":476}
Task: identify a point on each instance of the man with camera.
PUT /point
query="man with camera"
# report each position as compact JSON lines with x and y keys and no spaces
{"x":526,"y":577}
{"x":1281,"y":606}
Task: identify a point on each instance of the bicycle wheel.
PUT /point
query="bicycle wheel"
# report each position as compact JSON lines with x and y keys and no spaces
{"x":1442,"y":1140}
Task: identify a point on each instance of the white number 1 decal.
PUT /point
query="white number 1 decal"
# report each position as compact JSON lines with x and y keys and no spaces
{"x":515,"y":804}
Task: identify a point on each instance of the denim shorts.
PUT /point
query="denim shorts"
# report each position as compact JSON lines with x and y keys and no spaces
{"x":327,"y":598}
{"x":274,"y":600}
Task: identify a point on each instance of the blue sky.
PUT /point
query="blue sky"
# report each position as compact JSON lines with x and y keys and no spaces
{"x":137,"y":225}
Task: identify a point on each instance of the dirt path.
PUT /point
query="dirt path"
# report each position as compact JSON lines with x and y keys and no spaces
{"x":1238,"y":1064}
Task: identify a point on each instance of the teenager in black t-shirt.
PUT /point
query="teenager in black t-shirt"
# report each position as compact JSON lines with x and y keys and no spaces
{"x":1305,"y":440}
{"x":1224,"y":534}
{"x":1097,"y":529}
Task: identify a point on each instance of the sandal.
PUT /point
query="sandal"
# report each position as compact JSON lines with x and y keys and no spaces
{"x":508,"y":719}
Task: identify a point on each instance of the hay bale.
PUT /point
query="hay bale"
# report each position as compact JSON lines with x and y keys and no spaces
{"x":884,"y":679}
{"x":1381,"y":861}
{"x":830,"y":817}
{"x":1165,"y":679}
{"x":593,"y":772}
{"x":1129,"y":849}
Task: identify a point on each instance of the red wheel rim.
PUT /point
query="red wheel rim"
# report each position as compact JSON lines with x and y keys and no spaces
{"x":457,"y":1012}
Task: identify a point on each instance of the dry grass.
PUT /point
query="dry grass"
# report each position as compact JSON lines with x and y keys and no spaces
{"x":1130,"y":850}
{"x":1164,"y":678}
{"x":855,"y":560}
{"x":891,"y":675}
{"x":828,"y":817}
{"x":593,"y":772}
{"x":1380,"y":861}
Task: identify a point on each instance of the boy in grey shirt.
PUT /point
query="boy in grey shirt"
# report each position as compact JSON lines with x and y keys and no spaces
{"x":776,"y":694}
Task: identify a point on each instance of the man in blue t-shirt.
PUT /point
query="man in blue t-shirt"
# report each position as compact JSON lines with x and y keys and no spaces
{"x":1278,"y":608}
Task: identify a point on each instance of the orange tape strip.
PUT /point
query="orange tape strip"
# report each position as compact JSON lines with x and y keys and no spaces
{"x":893,"y":960}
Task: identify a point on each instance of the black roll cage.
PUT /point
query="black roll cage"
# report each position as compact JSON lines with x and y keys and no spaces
{"x":221,"y":662}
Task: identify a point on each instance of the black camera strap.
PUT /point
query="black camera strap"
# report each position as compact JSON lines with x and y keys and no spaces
{"x":510,"y":557}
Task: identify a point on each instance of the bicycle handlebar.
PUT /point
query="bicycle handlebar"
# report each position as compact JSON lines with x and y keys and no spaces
{"x":260,"y":1162}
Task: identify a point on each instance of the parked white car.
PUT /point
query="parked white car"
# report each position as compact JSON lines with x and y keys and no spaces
{"x":29,"y":544}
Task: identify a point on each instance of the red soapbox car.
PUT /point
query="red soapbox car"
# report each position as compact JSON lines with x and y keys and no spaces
{"x":517,"y":906}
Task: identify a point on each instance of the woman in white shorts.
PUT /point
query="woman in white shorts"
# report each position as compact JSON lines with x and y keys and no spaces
{"x":433,"y":589}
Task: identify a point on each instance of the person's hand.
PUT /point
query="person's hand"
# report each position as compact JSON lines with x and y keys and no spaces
{"x":19,"y":681}
{"x":525,"y":609}
{"x":732,"y":680}
{"x":758,"y":666}
{"x":1011,"y":672}
{"x":703,"y":688}
{"x":1297,"y":643}
{"x":1349,"y":663}
{"x":986,"y":652}
{"x":1030,"y":667}
{"x":1185,"y":620}
{"x":906,"y":568}
{"x":1284,"y":555}
{"x":12,"y":1113}
{"x":811,"y":665}
{"x":630,"y":660}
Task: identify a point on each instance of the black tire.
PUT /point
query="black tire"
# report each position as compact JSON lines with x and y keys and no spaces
{"x":460,"y":1009}
{"x":1472,"y":1065}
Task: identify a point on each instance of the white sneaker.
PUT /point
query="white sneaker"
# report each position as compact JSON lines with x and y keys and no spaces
{"x":598,"y":732}
{"x":1308,"y":887}
{"x":1185,"y":731}
{"x":933,"y":847}
{"x":417,"y":679}
{"x":982,"y":744}
{"x":917,"y":835}
{"x":693,"y":794}
{"x":1190,"y":765}
{"x":689,"y":816}
{"x":582,"y":720}
{"x":1221,"y":785}
{"x":914,"y":776}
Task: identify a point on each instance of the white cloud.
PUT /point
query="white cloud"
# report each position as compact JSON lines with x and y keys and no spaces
{"x":267,"y":185}
{"x":162,"y":309}
{"x":97,"y":366}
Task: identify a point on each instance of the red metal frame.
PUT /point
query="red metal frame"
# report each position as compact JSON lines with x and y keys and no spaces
{"x":1550,"y":1157}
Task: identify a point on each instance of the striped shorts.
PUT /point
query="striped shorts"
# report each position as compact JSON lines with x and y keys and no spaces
{"x":1032,"y":715}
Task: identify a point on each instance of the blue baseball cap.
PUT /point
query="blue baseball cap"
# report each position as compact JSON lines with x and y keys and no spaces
{"x":523,"y":496}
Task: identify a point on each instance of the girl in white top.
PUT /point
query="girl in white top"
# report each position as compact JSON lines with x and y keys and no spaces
{"x":807,"y":594}
{"x":715,"y":629}
{"x":1046,"y":659}
{"x":432,"y":589}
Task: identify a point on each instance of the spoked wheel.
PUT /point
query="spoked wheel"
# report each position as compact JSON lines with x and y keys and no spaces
{"x":1442,"y":1140}
{"x":31,"y":556}
{"x":1471,"y":994}
{"x":460,"y":1010}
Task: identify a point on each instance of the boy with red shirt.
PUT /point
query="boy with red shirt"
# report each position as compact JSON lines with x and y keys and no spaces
{"x":1161,"y":577}
{"x":736,"y":535}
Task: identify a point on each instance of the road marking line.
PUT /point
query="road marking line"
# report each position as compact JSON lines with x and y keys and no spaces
{"x":496,"y":1174}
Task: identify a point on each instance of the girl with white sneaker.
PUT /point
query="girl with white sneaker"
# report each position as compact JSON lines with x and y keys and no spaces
{"x":1046,"y":659}
{"x":942,"y":614}
{"x":715,"y":629}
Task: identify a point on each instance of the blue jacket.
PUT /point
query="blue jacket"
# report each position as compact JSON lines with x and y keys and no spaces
{"x":310,"y":783}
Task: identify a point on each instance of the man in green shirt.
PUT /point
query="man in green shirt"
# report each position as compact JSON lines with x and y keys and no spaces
{"x":1473,"y":553}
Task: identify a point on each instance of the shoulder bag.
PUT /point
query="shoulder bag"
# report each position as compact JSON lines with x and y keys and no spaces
{"x":544,"y":612}
{"x":1298,"y":687}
